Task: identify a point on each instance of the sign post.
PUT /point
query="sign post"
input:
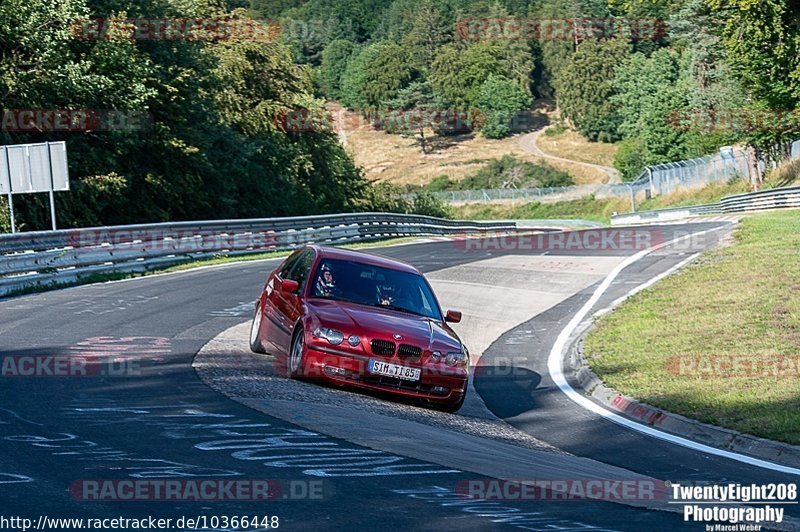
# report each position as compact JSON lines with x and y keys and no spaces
{"x":32,"y":168}
{"x":5,"y":185}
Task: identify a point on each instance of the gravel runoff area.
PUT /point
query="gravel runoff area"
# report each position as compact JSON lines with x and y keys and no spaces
{"x":227,"y":365}
{"x":495,"y":295}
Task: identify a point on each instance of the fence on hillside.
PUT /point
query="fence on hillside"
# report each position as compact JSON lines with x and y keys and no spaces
{"x":652,"y":181}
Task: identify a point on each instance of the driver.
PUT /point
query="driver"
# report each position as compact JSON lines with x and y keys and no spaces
{"x":387,"y":294}
{"x":326,"y":284}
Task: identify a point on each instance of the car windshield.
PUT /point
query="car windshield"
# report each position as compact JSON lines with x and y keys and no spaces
{"x":374,"y":286}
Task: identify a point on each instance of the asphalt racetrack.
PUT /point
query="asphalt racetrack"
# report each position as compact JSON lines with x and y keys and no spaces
{"x":179,"y":397}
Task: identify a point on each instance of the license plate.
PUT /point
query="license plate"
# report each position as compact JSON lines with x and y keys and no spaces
{"x":393,"y":370}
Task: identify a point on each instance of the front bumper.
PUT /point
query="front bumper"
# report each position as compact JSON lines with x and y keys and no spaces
{"x":338,"y":367}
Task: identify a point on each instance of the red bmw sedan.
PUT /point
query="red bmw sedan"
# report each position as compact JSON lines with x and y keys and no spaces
{"x":356,"y":319}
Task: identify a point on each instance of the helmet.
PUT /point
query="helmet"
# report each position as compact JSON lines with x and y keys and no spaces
{"x":386,"y":293}
{"x":325,"y":286}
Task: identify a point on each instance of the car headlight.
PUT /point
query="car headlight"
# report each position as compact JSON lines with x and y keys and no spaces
{"x":333,"y":336}
{"x":436,"y":356}
{"x":353,"y":340}
{"x":456,"y":358}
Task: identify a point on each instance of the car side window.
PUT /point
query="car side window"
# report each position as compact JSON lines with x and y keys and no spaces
{"x":302,"y":267}
{"x":287,"y":265}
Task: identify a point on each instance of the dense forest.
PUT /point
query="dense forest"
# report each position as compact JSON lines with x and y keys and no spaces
{"x":669,"y":79}
{"x":215,"y":143}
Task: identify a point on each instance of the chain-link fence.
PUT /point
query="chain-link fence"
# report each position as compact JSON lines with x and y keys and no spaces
{"x":653,"y":181}
{"x":695,"y":173}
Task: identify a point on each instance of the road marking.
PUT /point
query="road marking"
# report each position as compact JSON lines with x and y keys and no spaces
{"x":496,"y":512}
{"x":555,"y":360}
{"x":13,"y":478}
{"x":270,"y":445}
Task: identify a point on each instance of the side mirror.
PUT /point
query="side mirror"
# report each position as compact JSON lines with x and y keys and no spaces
{"x":288,"y":286}
{"x":452,"y":316}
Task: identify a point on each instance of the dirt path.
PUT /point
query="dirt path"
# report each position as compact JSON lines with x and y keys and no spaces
{"x":528,"y":143}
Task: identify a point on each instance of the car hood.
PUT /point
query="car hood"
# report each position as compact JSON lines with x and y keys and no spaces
{"x":374,"y":322}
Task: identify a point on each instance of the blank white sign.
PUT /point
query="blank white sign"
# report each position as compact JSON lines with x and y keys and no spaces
{"x":26,"y":168}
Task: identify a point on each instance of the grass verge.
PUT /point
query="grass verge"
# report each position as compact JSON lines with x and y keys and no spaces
{"x":674,"y":345}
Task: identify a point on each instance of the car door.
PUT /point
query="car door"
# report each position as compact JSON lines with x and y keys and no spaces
{"x":289,"y":305}
{"x":273,"y":323}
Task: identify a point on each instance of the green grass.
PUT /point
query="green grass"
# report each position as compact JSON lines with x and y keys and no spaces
{"x":599,"y":210}
{"x":187,"y":265}
{"x":743,"y":299}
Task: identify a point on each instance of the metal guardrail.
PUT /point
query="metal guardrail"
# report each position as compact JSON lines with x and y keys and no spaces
{"x":776,"y":198}
{"x":663,"y":215}
{"x":64,"y":256}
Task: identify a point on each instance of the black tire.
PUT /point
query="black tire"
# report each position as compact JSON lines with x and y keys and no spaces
{"x":255,"y":331}
{"x":296,"y":355}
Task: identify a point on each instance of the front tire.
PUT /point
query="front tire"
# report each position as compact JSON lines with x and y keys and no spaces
{"x":255,"y":331}
{"x":297,"y":355}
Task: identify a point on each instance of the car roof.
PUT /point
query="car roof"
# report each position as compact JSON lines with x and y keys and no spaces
{"x":365,"y":258}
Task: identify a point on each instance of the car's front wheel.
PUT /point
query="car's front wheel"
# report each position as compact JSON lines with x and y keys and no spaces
{"x":255,"y":331}
{"x":296,"y":355}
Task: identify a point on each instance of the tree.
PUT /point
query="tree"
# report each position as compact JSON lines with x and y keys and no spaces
{"x":457,"y":74}
{"x":584,"y":88}
{"x":762,"y":40}
{"x":375,"y":74}
{"x":631,"y":158}
{"x":427,"y":34}
{"x":501,"y":99}
{"x":212,"y":147}
{"x":334,"y":62}
{"x":417,"y":110}
{"x":639,"y":83}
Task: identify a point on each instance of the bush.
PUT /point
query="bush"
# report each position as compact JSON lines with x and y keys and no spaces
{"x":510,"y":172}
{"x":501,"y":98}
{"x":5,"y":216}
{"x":334,"y":62}
{"x":440,"y":183}
{"x":497,"y":125}
{"x":631,"y":158}
{"x":556,"y":129}
{"x":388,"y":197}
{"x":427,"y":204}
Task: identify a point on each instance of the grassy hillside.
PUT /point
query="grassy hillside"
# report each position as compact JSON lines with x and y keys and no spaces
{"x":594,"y":209}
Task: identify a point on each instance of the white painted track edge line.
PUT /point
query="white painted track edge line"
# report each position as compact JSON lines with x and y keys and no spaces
{"x":555,"y":368}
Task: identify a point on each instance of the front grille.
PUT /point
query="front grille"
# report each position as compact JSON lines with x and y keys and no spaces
{"x":409,"y":351}
{"x":382,"y":347}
